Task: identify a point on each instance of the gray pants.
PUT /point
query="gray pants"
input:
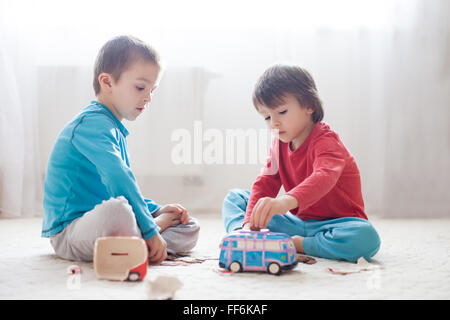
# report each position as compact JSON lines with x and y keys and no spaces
{"x":115,"y":217}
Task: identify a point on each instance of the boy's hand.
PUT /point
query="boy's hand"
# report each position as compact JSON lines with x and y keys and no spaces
{"x":156,"y":249}
{"x":178,"y":209}
{"x":267,"y":207}
{"x":246,"y":226}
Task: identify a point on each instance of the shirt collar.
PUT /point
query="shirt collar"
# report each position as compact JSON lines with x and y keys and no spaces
{"x":119,"y":124}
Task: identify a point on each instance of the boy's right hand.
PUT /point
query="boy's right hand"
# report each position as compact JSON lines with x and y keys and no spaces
{"x":157,"y":246}
{"x":248,"y":227}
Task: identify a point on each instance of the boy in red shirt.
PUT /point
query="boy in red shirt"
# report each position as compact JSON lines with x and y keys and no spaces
{"x":322,"y":209}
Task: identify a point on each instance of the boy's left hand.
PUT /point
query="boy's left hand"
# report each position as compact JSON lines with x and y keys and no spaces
{"x":267,"y":207}
{"x":178,"y":209}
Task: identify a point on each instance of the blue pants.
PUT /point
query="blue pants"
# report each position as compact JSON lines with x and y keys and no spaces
{"x":346,"y":238}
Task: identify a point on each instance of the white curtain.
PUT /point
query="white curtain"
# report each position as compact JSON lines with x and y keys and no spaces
{"x":382,"y":69}
{"x":20,"y":171}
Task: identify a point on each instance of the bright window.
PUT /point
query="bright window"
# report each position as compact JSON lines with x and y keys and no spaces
{"x":241,"y":244}
{"x":272,"y":245}
{"x":259,"y":245}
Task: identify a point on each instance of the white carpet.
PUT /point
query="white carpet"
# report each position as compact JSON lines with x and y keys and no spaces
{"x":415,"y":256}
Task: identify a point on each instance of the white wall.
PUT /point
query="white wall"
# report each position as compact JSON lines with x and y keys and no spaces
{"x":384,"y":83}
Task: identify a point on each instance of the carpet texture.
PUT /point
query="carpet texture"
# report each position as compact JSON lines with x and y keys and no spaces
{"x":413,"y":263}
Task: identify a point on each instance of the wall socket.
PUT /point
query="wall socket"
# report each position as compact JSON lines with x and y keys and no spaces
{"x":193,"y":181}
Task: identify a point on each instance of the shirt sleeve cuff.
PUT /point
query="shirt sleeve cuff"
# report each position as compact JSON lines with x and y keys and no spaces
{"x":150,"y":233}
{"x":152,"y":206}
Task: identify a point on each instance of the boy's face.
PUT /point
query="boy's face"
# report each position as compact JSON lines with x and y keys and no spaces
{"x":132,"y":93}
{"x":290,"y":122}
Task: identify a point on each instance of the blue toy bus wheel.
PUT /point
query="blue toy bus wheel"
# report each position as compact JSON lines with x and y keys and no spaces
{"x":274,"y":268}
{"x":235,"y":266}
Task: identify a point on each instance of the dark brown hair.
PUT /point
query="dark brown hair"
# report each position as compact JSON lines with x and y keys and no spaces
{"x":279,"y":80}
{"x":117,"y":54}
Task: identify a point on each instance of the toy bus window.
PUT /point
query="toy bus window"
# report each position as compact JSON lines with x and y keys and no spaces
{"x":241,"y":244}
{"x":272,"y":245}
{"x":225,"y":243}
{"x":258,"y":245}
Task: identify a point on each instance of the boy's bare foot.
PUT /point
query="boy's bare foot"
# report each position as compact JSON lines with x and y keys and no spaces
{"x":166,"y":220}
{"x":298,"y":243}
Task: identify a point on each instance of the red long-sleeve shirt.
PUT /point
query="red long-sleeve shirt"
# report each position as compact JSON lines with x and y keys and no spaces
{"x":321,"y":174}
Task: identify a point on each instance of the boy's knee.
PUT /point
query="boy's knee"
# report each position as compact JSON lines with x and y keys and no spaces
{"x":367,"y":241}
{"x":182,"y":238}
{"x":193,"y":226}
{"x":235,"y":198}
{"x":119,"y":209}
{"x":237,"y":194}
{"x":119,"y":217}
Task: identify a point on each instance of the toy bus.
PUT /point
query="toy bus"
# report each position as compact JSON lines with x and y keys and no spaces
{"x":120,"y":258}
{"x":257,"y":251}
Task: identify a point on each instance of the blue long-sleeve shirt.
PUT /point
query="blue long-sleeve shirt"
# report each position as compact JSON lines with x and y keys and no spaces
{"x":89,"y":164}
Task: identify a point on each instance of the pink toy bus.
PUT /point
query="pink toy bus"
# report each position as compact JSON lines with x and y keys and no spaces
{"x":257,"y":251}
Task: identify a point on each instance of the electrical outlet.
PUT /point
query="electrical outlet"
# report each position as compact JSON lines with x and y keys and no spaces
{"x":193,"y":181}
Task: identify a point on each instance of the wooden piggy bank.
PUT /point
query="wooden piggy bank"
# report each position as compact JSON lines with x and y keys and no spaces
{"x":120,"y":258}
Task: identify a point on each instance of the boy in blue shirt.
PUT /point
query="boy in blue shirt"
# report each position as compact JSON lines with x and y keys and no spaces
{"x":89,"y":189}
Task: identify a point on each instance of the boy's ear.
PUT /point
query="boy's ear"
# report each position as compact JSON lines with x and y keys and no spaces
{"x":105,"y":80}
